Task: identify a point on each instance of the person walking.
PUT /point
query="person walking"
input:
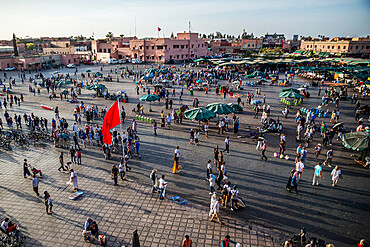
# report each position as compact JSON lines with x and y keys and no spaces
{"x":234,"y":198}
{"x":72,"y":152}
{"x":162,"y":187}
{"x":215,"y":211}
{"x":336,"y":173}
{"x":73,"y":178}
{"x":329,"y":157}
{"x":153,"y":177}
{"x":227,"y":146}
{"x":220,"y":177}
{"x":191,"y":136}
{"x":212,"y":183}
{"x":35,"y":185}
{"x":48,"y":203}
{"x":227,"y":242}
{"x":209,"y":169}
{"x":114,"y":174}
{"x":121,"y":168}
{"x":25,"y":169}
{"x":294,"y":183}
{"x":196,"y":137}
{"x":155,"y":127}
{"x":226,"y":194}
{"x":61,"y":162}
{"x":299,"y":166}
{"x":79,"y":157}
{"x":264,"y":146}
{"x":317,"y":175}
{"x":187,"y":242}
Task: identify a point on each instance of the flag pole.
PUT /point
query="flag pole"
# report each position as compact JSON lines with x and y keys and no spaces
{"x":120,"y":127}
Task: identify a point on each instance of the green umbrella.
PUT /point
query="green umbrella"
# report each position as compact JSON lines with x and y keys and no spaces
{"x":220,"y":108}
{"x":199,"y":114}
{"x":150,"y":98}
{"x":290,"y":89}
{"x":291,"y":94}
{"x":121,"y":68}
{"x":98,"y":74}
{"x":158,"y":85}
{"x":358,"y":141}
{"x":95,"y":86}
{"x":236,"y":107}
{"x":88,"y":70}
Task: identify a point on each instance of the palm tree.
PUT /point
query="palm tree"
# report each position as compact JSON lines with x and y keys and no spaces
{"x":121,"y":35}
{"x":109,"y":35}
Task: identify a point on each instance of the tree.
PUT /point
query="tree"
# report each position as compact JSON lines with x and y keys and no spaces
{"x":15,"y":46}
{"x":204,"y":36}
{"x":109,"y":35}
{"x":218,"y":35}
{"x":121,"y":35}
{"x":30,"y":46}
{"x":172,"y":36}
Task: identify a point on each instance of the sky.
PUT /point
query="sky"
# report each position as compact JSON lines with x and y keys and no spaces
{"x":60,"y":18}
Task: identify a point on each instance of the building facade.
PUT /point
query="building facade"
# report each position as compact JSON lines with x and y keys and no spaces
{"x":184,"y":46}
{"x":343,"y":46}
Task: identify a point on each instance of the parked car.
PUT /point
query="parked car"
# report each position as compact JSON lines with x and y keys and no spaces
{"x":122,"y":61}
{"x":88,"y":62}
{"x":137,"y":61}
{"x":71,"y":66}
{"x":56,"y":72}
{"x":9,"y":69}
{"x":112,"y":61}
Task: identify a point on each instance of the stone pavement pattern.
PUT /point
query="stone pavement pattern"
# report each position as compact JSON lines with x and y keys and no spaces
{"x":118,"y":210}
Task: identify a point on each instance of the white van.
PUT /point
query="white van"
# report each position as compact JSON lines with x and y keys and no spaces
{"x":112,"y":61}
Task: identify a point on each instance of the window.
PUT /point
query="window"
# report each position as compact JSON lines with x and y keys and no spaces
{"x":147,"y":57}
{"x":160,"y":57}
{"x":147,"y":47}
{"x":187,"y":46}
{"x":159,"y":47}
{"x":182,"y":46}
{"x":308,"y":46}
{"x":99,"y":50}
{"x":248,"y":45}
{"x":202,"y":45}
{"x":152,"y":57}
{"x":109,"y":50}
{"x":176,"y":46}
{"x":192,"y":46}
{"x":332,"y":47}
{"x":356,"y":47}
{"x":165,"y":47}
{"x":119,"y":56}
{"x":315,"y":46}
{"x":153,"y":47}
{"x":141,"y":47}
{"x":344,"y":47}
{"x":170,"y":57}
{"x":351,"y":47}
{"x":105,"y":50}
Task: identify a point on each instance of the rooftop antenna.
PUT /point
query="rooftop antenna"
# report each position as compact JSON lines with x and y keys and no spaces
{"x":189,"y":27}
{"x":135,"y":26}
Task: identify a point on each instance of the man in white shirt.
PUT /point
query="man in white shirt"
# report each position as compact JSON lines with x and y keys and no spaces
{"x":177,"y":153}
{"x":74,"y":179}
{"x":121,"y":169}
{"x":209,"y":169}
{"x":162,"y":187}
{"x":212,"y":183}
{"x":299,"y":166}
{"x":4,"y":225}
{"x":234,"y":196}
{"x":227,"y":123}
{"x":227,"y":146}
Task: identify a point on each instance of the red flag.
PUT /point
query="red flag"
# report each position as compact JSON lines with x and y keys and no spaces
{"x":159,"y":29}
{"x":111,"y":120}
